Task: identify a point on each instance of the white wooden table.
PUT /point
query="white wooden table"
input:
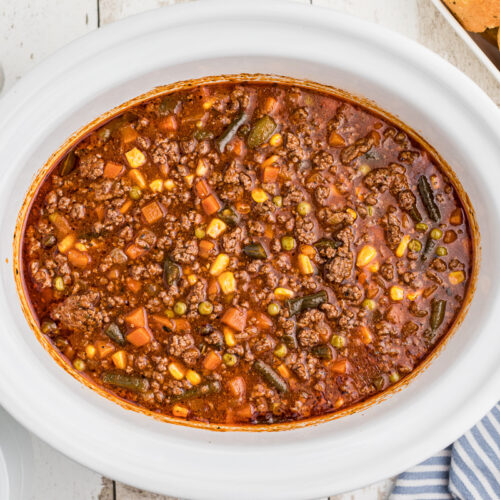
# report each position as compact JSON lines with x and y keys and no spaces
{"x":32,"y":29}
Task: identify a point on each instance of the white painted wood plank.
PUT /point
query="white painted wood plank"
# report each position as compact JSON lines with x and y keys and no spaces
{"x":30,"y":30}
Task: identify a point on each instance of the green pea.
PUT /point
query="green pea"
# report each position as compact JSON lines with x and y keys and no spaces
{"x":436,"y":234}
{"x":370,"y":210}
{"x":415,"y":246}
{"x":199,"y":232}
{"x":278,"y":201}
{"x":288,"y":243}
{"x":180,"y":308}
{"x":394,"y":377}
{"x":368,"y":304}
{"x":281,"y":351}
{"x":169,"y":313}
{"x":59,"y":284}
{"x":229,"y":359}
{"x":421,"y":227}
{"x":304,"y":208}
{"x":205,"y":308}
{"x":79,"y":364}
{"x":48,"y":326}
{"x":441,"y":251}
{"x":273,"y":309}
{"x":337,"y":341}
{"x":135,"y":192}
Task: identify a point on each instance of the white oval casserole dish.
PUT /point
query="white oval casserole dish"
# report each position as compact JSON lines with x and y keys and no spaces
{"x":112,"y":65}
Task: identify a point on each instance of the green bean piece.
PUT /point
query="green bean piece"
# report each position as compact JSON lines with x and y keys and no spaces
{"x":230,"y":131}
{"x":115,"y":334}
{"x":290,"y":340}
{"x":255,"y":251}
{"x":49,"y":241}
{"x":438,"y":309}
{"x":429,"y":247}
{"x":104,"y":133}
{"x":124,"y":381}
{"x":48,"y":326}
{"x":229,"y":216}
{"x":203,"y":135}
{"x":135,"y":193}
{"x":270,"y":376}
{"x":415,"y":214}
{"x":379,"y":383}
{"x":261,"y":131}
{"x":68,"y":164}
{"x":168,"y":104}
{"x":322,"y":352}
{"x":327,"y":243}
{"x":198,"y":391}
{"x":171,"y":271}
{"x":421,"y":227}
{"x":313,"y":301}
{"x":425,"y":190}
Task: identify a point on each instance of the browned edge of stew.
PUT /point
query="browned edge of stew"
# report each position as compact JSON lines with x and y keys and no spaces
{"x":76,"y":137}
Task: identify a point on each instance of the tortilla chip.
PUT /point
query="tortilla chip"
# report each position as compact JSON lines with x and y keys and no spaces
{"x":476,"y":15}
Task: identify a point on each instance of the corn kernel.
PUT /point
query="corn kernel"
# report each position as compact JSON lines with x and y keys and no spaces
{"x":90,"y":351}
{"x":365,"y":335}
{"x":201,"y":168}
{"x":193,"y":377}
{"x":120,"y":359}
{"x":81,"y":247}
{"x":180,"y":411}
{"x":308,"y":250}
{"x":396,"y":293}
{"x":169,"y":185}
{"x":401,"y":249}
{"x":283,"y":293}
{"x":338,"y":403}
{"x":456,"y":277}
{"x":259,"y":195}
{"x":189,"y":179}
{"x":220,"y":263}
{"x":66,"y":243}
{"x":351,"y":212}
{"x":216,"y":228}
{"x":276,"y":140}
{"x":365,"y":255}
{"x":305,"y":264}
{"x":137,"y":178}
{"x":364,"y":169}
{"x":135,"y":158}
{"x":269,"y":161}
{"x":227,"y":282}
{"x":373,"y":267}
{"x":414,"y":295}
{"x":156,"y":186}
{"x":192,"y":279}
{"x":176,"y":370}
{"x":229,"y":337}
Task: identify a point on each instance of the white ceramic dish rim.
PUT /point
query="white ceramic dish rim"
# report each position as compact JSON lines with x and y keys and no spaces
{"x":305,"y":463}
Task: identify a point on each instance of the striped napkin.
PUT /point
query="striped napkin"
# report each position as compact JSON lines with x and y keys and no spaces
{"x":469,"y":469}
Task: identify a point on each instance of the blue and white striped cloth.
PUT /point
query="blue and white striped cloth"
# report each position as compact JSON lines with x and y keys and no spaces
{"x":469,"y":469}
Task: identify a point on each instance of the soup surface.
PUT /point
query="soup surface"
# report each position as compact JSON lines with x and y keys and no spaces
{"x":246,"y":253}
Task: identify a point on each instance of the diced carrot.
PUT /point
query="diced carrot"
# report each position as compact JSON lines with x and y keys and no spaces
{"x":134,"y":285}
{"x":205,"y":247}
{"x":338,"y":403}
{"x":113,"y":170}
{"x":237,"y":146}
{"x":340,"y":366}
{"x":235,"y":318}
{"x":78,"y":259}
{"x":270,"y":174}
{"x":137,"y":178}
{"x":269,"y":231}
{"x":120,"y":359}
{"x":129,"y":134}
{"x":262,"y":320}
{"x":336,"y":140}
{"x":212,"y":361}
{"x":168,"y":124}
{"x":237,"y":386}
{"x":139,"y":337}
{"x":134,"y":251}
{"x":152,"y":212}
{"x":113,"y":273}
{"x":126,"y":207}
{"x":211,"y":204}
{"x":174,"y":324}
{"x":104,"y":348}
{"x":202,"y":188}
{"x":245,"y":412}
{"x":283,"y":371}
{"x":269,"y":105}
{"x":137,"y":317}
{"x":213,"y":288}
